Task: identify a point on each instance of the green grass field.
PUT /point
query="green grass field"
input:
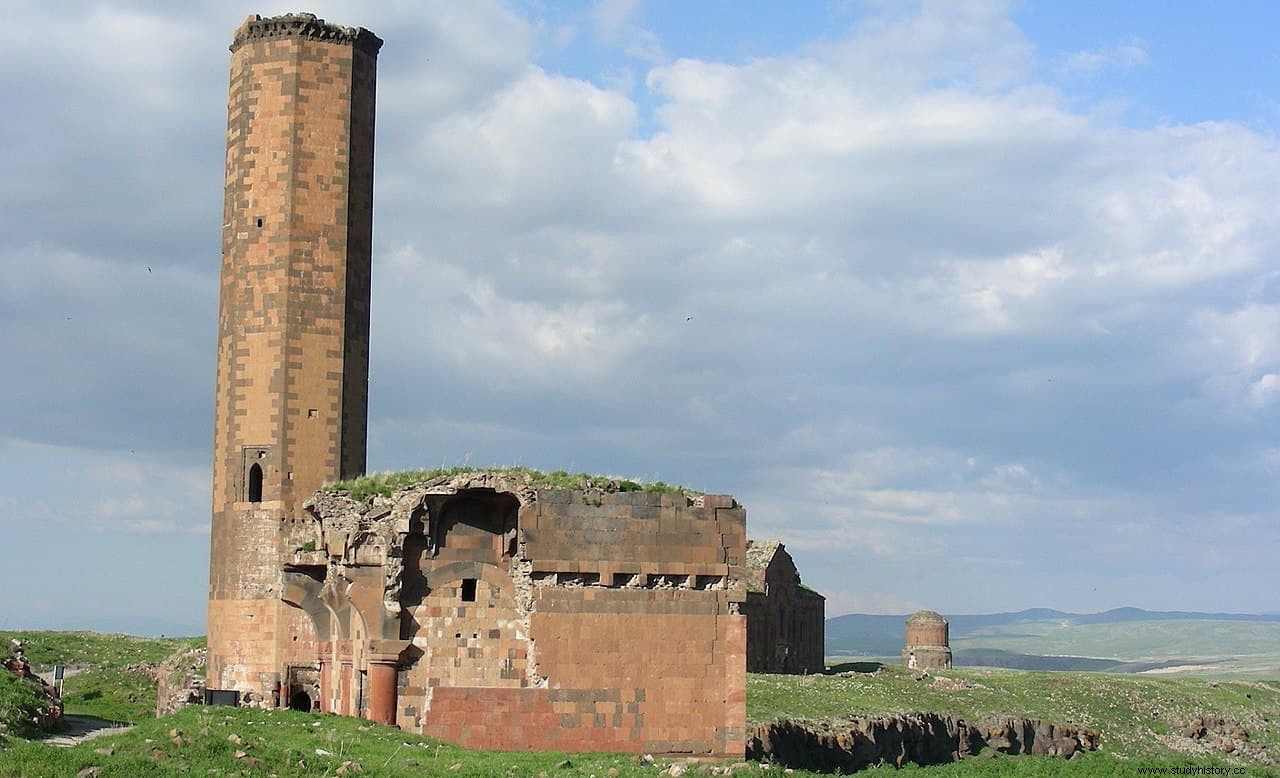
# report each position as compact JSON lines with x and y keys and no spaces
{"x":207,"y":741}
{"x":1138,"y":717}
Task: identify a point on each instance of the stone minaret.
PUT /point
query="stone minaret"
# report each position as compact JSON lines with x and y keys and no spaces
{"x":293,"y":328}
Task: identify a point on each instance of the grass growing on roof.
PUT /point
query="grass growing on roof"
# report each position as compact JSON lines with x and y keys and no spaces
{"x":387,"y":483}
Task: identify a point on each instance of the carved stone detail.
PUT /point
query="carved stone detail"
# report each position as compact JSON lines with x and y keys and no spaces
{"x":304,"y":25}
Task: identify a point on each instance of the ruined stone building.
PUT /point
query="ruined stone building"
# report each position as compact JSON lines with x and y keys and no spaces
{"x":476,"y":608}
{"x":480,"y":608}
{"x":928,"y":642}
{"x":785,"y":618}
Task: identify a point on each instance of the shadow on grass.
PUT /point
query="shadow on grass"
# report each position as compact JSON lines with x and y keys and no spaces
{"x":854,"y":667}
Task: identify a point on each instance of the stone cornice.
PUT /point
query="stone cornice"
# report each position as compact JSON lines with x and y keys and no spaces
{"x":304,"y":25}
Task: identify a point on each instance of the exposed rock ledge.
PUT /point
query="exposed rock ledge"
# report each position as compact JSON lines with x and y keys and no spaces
{"x":920,"y":738}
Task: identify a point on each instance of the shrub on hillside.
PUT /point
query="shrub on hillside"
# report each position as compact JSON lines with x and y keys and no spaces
{"x":24,"y":707}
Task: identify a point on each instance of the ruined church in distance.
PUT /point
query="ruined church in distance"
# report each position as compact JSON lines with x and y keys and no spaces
{"x":479,"y":607}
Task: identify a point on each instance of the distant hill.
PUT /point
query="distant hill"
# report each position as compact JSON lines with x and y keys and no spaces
{"x":876,"y":635}
{"x":1118,"y":640}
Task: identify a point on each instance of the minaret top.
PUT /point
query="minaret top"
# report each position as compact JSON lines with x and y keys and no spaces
{"x":304,"y":25}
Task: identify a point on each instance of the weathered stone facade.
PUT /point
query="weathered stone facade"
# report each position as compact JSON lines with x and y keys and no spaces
{"x":293,"y":327}
{"x":476,"y":608}
{"x":479,"y":610}
{"x":928,"y":642}
{"x":785,"y":618}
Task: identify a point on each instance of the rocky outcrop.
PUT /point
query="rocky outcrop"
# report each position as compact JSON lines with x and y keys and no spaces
{"x":1225,"y":736}
{"x":917,"y":738}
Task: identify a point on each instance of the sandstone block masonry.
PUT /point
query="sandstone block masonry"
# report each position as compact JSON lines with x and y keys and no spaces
{"x":785,"y":618}
{"x":476,"y":608}
{"x":482,"y":611}
{"x":293,"y":326}
{"x":928,"y":642}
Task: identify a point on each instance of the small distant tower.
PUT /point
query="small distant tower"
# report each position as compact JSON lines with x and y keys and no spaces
{"x":293,"y":330}
{"x":928,"y":642}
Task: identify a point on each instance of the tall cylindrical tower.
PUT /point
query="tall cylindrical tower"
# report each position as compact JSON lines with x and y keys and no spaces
{"x":293,"y":327}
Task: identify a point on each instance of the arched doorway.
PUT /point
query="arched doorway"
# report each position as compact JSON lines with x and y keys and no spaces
{"x":255,"y":483}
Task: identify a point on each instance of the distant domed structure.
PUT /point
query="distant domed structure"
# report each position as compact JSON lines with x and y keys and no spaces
{"x":928,"y":642}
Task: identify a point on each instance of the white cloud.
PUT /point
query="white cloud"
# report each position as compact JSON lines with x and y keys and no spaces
{"x":888,"y":603}
{"x":1122,"y":56}
{"x":1241,"y":351}
{"x":892,"y":289}
{"x":610,"y":16}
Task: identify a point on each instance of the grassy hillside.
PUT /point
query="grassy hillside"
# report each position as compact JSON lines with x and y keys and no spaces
{"x":1012,"y":660}
{"x":109,"y":676}
{"x":1139,"y":716}
{"x":1215,"y":646}
{"x":1132,"y":640}
{"x":21,"y":699}
{"x":1125,"y":640}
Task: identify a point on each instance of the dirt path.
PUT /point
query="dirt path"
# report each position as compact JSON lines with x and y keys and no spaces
{"x":77,"y":729}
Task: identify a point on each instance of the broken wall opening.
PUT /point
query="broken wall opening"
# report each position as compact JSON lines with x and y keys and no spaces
{"x":460,"y":602}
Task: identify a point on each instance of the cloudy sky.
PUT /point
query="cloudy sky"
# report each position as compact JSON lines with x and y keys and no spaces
{"x":975,"y":306}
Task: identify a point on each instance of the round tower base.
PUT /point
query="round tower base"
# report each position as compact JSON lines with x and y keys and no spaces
{"x":926,"y":658}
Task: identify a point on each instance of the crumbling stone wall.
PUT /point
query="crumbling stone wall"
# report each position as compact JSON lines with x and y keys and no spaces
{"x":785,"y":619}
{"x":478,"y":610}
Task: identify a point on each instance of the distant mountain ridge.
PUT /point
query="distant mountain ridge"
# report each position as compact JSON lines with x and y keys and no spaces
{"x":880,"y":635}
